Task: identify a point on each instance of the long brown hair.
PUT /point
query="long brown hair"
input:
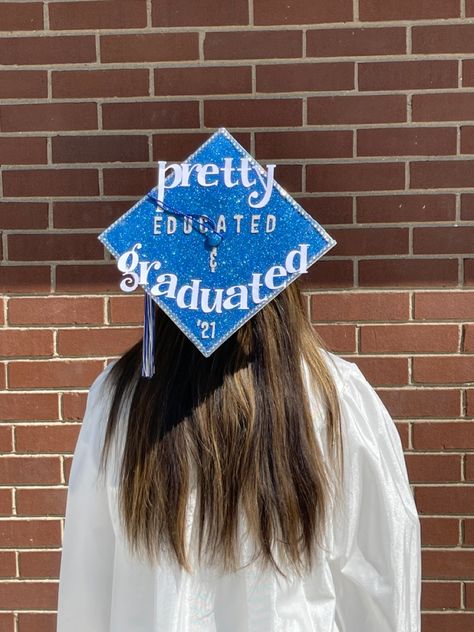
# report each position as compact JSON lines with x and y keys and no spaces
{"x":241,"y":420}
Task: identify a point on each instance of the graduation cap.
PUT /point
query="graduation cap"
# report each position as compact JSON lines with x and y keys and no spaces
{"x":215,"y":241}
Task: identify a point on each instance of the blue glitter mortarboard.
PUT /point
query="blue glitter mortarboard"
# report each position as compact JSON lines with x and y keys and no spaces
{"x":213,"y":243}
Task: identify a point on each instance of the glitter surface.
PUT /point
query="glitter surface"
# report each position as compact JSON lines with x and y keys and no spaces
{"x":254,"y":240}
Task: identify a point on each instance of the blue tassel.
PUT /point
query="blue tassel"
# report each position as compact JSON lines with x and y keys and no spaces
{"x":148,"y":350}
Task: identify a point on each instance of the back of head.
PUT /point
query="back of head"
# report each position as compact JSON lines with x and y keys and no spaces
{"x":239,"y":424}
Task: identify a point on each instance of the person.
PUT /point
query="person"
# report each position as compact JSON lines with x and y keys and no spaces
{"x":262,"y":488}
{"x":231,"y":473}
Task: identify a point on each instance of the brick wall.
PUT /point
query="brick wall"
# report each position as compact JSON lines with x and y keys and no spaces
{"x":367,"y":107}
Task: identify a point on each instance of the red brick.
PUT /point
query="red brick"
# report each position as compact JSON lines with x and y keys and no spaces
{"x":444,"y":305}
{"x":37,"y":621}
{"x":454,"y":564}
{"x":443,"y":369}
{"x":355,"y":42}
{"x":431,"y":468}
{"x":92,"y":342}
{"x":357,"y":109}
{"x":408,"y":272}
{"x":42,"y":406}
{"x":17,"y":215}
{"x":6,"y":502}
{"x":441,"y":173}
{"x":20,"y":279}
{"x":73,"y":405}
{"x":374,"y":10}
{"x":143,"y":47}
{"x":413,"y":403}
{"x":448,"y":38}
{"x":126,"y":310}
{"x":455,"y":435}
{"x":128,"y":181}
{"x":176,"y":146}
{"x":469,"y":592}
{"x":7,"y":564}
{"x":22,"y":342}
{"x":55,"y":311}
{"x":359,"y":306}
{"x":181,"y":145}
{"x":408,"y":338}
{"x":467,"y":140}
{"x":448,"y":106}
{"x":355,"y":176}
{"x":47,"y":50}
{"x":290,"y":177}
{"x":6,"y":444}
{"x":406,"y":208}
{"x":468,"y":529}
{"x":469,"y":271}
{"x":23,"y":84}
{"x":308,"y":144}
{"x":98,"y":14}
{"x":440,"y":595}
{"x":301,"y":12}
{"x":305,"y":77}
{"x":470,"y":8}
{"x":57,"y":438}
{"x":203,"y":80}
{"x":21,"y":16}
{"x":23,"y":151}
{"x":49,"y":182}
{"x":365,"y":241}
{"x":454,"y":621}
{"x":204,"y":13}
{"x":29,"y":117}
{"x":53,"y":374}
{"x":88,"y":214}
{"x":468,"y":342}
{"x":28,"y":595}
{"x":253,"y":44}
{"x":445,"y":500}
{"x":399,"y":141}
{"x":7,"y":621}
{"x":338,"y":338}
{"x":148,"y":115}
{"x":124,"y":82}
{"x":468,"y":73}
{"x":105,"y":148}
{"x":408,"y":75}
{"x":41,"y":502}
{"x":329,"y":209}
{"x":87,"y":278}
{"x":439,"y":531}
{"x":28,"y":470}
{"x":329,"y":274}
{"x":253,"y":113}
{"x":470,"y":402}
{"x":39,"y":564}
{"x":455,"y":239}
{"x":384,"y":371}
{"x":54,"y":247}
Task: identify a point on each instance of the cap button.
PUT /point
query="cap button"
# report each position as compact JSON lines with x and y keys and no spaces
{"x":213,"y":239}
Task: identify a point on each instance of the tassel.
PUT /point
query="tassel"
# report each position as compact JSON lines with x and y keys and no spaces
{"x":148,"y":350}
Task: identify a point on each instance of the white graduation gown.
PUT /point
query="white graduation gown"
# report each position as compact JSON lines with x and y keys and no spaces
{"x":366,"y":580}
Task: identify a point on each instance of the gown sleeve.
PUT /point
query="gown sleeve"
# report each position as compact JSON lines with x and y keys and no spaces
{"x":86,"y":572}
{"x":376,"y":558}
